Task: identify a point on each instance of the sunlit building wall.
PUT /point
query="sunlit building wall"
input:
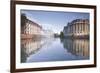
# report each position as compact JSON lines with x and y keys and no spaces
{"x":31,"y":29}
{"x":78,"y":27}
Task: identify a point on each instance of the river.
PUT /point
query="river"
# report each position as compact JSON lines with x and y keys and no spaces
{"x":54,"y":49}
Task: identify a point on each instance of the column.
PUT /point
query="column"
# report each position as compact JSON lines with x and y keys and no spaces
{"x":82,"y":28}
{"x":79,"y":28}
{"x":76,"y":28}
{"x":85,"y":28}
{"x":72,"y":28}
{"x":28,"y":28}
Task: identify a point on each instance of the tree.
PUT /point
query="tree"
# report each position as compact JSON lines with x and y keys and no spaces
{"x":61,"y":34}
{"x":23,"y":20}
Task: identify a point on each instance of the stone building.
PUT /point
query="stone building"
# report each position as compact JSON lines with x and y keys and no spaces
{"x":30,"y":29}
{"x":77,"y":28}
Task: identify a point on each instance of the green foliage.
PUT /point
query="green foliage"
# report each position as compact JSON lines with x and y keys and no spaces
{"x":61,"y":34}
{"x":23,"y":19}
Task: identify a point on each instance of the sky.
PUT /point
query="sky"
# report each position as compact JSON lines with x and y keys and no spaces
{"x":52,"y":20}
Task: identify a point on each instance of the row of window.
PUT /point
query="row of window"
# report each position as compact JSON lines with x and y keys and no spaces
{"x":30,"y":29}
{"x":77,"y":26}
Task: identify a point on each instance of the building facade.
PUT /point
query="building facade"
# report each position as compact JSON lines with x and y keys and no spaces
{"x":30,"y":29}
{"x":77,"y":28}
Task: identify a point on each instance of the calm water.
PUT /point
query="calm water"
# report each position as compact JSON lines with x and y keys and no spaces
{"x":54,"y":49}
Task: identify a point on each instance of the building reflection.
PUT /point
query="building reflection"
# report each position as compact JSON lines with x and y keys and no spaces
{"x":30,"y":46}
{"x":78,"y":47}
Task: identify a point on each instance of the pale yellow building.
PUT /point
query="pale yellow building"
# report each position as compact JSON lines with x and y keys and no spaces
{"x":31,"y":29}
{"x":77,"y":28}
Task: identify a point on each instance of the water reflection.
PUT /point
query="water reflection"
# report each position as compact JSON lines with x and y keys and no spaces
{"x":28,"y":47}
{"x":32,"y":46}
{"x":54,"y":49}
{"x":77,"y":46}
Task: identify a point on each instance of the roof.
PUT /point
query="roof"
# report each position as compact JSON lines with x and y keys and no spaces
{"x":77,"y":21}
{"x":33,"y":23}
